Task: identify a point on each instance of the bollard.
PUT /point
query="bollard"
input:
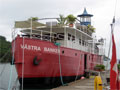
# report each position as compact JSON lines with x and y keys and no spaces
{"x":98,"y":83}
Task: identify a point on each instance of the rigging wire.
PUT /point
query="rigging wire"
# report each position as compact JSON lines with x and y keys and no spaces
{"x":5,"y":54}
{"x":11,"y":70}
{"x":112,"y":29}
{"x":2,"y":59}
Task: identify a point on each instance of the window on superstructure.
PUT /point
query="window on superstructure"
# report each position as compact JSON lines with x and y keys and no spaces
{"x":60,"y":36}
{"x":46,"y":37}
{"x":55,"y":35}
{"x":73,"y":38}
{"x":38,"y":36}
{"x":69,"y":36}
{"x":35,"y":36}
{"x":83,"y":42}
{"x":80,"y":41}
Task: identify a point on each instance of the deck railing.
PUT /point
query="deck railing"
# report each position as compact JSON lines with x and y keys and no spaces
{"x":53,"y":37}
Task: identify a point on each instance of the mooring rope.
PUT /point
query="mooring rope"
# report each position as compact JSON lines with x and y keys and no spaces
{"x":61,"y":78}
{"x":60,"y":66}
{"x":23,"y":65}
{"x":11,"y":70}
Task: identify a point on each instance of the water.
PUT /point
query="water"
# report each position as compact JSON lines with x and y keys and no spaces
{"x":5,"y":76}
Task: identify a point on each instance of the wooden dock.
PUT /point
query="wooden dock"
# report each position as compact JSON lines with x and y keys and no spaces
{"x":84,"y":84}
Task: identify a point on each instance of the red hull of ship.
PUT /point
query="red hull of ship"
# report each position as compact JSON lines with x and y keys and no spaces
{"x":72,"y":61}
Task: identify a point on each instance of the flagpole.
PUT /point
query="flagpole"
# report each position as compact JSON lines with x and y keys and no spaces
{"x":113,"y":22}
{"x":110,"y":40}
{"x":111,"y":35}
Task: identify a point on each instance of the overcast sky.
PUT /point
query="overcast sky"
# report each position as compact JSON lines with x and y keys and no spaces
{"x":103,"y":11}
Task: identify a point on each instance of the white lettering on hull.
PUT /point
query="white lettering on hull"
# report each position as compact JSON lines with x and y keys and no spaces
{"x":51,"y":50}
{"x":37,"y":48}
{"x":30,"y":47}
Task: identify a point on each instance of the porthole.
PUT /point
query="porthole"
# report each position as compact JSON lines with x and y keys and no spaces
{"x":75,"y":54}
{"x":62,"y":52}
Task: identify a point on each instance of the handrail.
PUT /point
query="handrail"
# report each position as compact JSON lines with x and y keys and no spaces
{"x":45,"y":35}
{"x":42,"y":36}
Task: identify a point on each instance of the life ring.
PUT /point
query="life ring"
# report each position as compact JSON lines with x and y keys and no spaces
{"x":36,"y":61}
{"x":98,"y":83}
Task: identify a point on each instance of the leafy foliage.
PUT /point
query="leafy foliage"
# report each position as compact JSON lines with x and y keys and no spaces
{"x":62,"y":20}
{"x":100,"y":67}
{"x":33,"y":18}
{"x":91,"y":28}
{"x":5,"y":50}
{"x":119,"y":67}
{"x":71,"y":19}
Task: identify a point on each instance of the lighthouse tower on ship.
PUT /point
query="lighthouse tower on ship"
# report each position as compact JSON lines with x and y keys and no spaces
{"x":85,"y":18}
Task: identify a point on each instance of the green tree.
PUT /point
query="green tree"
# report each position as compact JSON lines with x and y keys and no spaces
{"x":5,"y":50}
